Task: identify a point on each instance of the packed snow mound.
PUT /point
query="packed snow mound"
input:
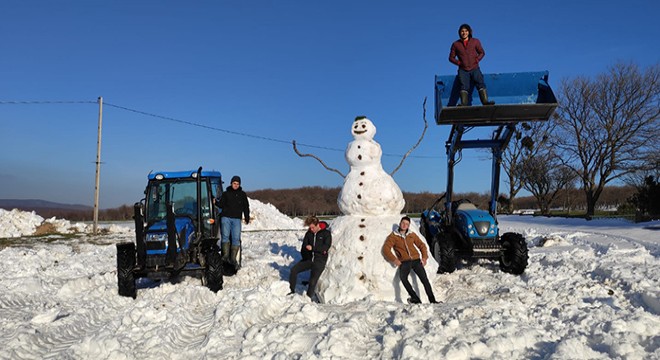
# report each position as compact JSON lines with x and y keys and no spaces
{"x":267,"y":217}
{"x":356,"y":267}
{"x":18,"y":223}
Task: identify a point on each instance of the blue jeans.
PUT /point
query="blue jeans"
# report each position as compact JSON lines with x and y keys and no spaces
{"x":231,"y":226}
{"x":474,"y":75}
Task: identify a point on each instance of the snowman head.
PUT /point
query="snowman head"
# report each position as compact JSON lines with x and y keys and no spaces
{"x":363,"y":128}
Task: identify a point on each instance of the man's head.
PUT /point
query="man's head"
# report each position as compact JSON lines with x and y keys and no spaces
{"x":404,"y":224}
{"x":235,"y":182}
{"x":313,"y":223}
{"x":465,"y":32}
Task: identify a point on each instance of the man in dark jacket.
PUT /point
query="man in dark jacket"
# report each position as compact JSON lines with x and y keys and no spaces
{"x":234,"y":203}
{"x":466,"y":53}
{"x":314,"y":251}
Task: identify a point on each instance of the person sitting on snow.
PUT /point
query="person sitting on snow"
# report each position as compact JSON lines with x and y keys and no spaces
{"x":405,"y":244}
{"x":314,"y":251}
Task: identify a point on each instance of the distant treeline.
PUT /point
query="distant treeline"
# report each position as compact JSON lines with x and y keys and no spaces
{"x":323,"y":201}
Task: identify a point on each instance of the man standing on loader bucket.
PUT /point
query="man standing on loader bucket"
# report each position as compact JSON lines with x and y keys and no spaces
{"x":466,"y":53}
{"x":234,"y":203}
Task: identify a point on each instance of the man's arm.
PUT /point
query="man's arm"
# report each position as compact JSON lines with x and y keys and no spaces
{"x":420,"y":245}
{"x":246,"y":209}
{"x":387,"y":250}
{"x":325,"y":245}
{"x":452,"y":56}
{"x":480,"y":51}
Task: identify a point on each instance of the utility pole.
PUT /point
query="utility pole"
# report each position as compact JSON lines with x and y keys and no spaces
{"x":98,"y":168}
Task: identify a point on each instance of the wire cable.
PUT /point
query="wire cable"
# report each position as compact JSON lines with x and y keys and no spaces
{"x":190,"y":123}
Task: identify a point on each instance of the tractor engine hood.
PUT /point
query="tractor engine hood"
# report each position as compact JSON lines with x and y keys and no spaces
{"x":477,"y":223}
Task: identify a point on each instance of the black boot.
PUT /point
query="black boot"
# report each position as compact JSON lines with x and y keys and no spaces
{"x":225,"y":251}
{"x":464,"y":98}
{"x":234,"y":254}
{"x":483,"y":96}
{"x":414,"y":300}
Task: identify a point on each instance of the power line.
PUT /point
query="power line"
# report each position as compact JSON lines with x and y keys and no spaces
{"x":241,"y":133}
{"x":237,"y":133}
{"x":39,"y":102}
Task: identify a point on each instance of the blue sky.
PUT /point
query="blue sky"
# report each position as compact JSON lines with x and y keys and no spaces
{"x":282,"y":70}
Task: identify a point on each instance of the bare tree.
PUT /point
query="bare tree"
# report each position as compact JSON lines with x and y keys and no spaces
{"x":544,"y":176}
{"x":608,"y":125}
{"x":527,"y":139}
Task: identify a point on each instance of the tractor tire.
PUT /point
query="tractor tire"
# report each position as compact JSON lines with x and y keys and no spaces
{"x":213,"y":272}
{"x":514,"y":253}
{"x":444,"y":252}
{"x":125,"y":266}
{"x":422,"y":227}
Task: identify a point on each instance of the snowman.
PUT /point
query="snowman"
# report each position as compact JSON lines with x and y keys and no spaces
{"x":371,"y":204}
{"x":368,"y":189}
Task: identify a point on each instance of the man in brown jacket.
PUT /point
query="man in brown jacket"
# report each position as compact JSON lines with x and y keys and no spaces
{"x":405,"y":244}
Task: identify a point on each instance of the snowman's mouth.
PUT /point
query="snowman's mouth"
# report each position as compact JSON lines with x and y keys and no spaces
{"x":359,"y":132}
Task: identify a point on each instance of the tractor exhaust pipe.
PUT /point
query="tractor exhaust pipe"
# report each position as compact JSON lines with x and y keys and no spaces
{"x":170,"y":257}
{"x":139,"y":235}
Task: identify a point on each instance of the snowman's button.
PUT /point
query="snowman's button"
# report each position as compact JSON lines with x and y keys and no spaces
{"x":359,"y":196}
{"x":361,"y":184}
{"x":359,"y":157}
{"x":362,"y":173}
{"x":361,"y":237}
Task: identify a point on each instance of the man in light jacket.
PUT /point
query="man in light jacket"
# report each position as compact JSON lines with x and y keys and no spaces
{"x":405,"y":244}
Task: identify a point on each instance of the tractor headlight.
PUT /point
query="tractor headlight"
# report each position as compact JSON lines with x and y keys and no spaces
{"x":160,"y":177}
{"x":482,"y":227}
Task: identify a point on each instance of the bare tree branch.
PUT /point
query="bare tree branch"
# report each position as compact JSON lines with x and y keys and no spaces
{"x":426,"y":125}
{"x":295,"y":148}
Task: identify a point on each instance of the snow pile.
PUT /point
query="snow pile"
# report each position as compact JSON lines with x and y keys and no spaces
{"x":17,"y":223}
{"x":267,"y":217}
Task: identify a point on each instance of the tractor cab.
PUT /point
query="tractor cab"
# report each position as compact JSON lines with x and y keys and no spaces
{"x":176,"y":228}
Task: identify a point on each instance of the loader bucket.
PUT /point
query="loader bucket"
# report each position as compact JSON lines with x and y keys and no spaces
{"x":523,"y":96}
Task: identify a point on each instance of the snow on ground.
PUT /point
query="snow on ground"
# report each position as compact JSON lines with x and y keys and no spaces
{"x":590,"y":292}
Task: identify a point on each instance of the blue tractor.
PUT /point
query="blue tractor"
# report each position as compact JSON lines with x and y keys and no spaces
{"x":456,"y":228}
{"x":176,"y":227}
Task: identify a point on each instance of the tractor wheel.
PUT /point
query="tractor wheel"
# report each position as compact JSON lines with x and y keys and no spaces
{"x":514,"y":253}
{"x":213,"y":272}
{"x":444,"y":251}
{"x":125,"y":266}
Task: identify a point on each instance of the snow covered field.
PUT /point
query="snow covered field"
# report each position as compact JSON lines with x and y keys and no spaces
{"x":591,"y":291}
